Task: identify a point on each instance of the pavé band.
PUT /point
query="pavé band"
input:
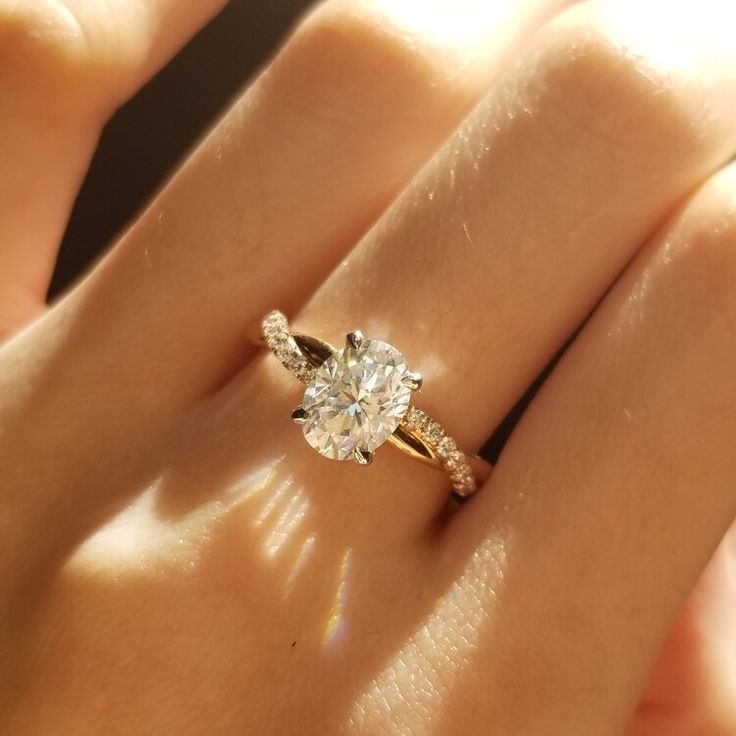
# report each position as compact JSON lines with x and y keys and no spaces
{"x":358,"y":397}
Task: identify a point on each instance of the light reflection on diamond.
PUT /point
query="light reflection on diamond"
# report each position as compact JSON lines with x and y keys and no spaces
{"x":356,"y":399}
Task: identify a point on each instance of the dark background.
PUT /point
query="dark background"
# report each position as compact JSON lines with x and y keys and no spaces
{"x":143,"y":143}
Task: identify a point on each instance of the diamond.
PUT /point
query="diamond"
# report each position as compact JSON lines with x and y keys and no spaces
{"x":454,"y":460}
{"x":434,"y":432}
{"x":446,"y":447}
{"x":356,"y":399}
{"x":416,"y":418}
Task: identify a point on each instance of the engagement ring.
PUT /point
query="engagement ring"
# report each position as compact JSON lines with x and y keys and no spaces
{"x":359,"y":396}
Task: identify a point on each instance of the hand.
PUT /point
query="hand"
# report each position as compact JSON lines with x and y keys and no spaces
{"x":177,"y":560}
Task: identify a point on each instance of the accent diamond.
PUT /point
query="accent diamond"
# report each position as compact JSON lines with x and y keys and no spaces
{"x":356,"y":399}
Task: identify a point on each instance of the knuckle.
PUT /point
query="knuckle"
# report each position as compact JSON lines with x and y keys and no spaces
{"x":58,"y":53}
{"x":359,"y":36}
{"x":39,"y":41}
{"x":347,"y":60}
{"x":610,"y":93}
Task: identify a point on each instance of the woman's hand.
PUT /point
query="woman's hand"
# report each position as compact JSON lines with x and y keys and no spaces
{"x":176,"y":560}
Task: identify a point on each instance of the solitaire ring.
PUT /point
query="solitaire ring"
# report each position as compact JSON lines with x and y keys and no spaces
{"x":360,"y":396}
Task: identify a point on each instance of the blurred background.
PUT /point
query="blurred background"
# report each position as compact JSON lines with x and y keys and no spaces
{"x":146,"y":140}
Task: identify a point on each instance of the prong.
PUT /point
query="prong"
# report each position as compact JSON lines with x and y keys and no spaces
{"x":354,"y":339}
{"x":413,"y":380}
{"x":299,"y":415}
{"x":363,"y":457}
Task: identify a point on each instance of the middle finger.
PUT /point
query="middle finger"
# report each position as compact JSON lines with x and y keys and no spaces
{"x":510,"y":235}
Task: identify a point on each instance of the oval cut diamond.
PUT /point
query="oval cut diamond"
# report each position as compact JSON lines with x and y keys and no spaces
{"x":356,"y":399}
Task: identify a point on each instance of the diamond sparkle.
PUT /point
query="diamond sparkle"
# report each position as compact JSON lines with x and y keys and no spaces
{"x":356,"y":399}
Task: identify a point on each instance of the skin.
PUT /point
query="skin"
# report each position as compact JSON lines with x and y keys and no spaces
{"x":469,"y":184}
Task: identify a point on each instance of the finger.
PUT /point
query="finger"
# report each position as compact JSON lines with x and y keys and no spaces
{"x":292,"y":176}
{"x":616,"y":486}
{"x":510,"y":235}
{"x":65,"y":67}
{"x":692,"y":688}
{"x":274,"y":197}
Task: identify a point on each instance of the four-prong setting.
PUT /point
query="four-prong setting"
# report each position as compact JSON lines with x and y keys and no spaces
{"x":363,"y":457}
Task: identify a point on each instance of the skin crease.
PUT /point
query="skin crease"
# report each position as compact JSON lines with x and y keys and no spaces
{"x":176,"y":560}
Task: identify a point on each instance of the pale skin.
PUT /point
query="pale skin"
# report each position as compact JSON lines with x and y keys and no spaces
{"x":176,"y":559}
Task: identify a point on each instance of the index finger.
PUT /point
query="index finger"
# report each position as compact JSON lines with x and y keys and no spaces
{"x":64,"y":68}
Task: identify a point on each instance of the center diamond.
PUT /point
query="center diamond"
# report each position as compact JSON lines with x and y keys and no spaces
{"x":356,"y":399}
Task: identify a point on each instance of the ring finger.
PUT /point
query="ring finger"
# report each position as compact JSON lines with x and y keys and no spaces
{"x":514,"y":230}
